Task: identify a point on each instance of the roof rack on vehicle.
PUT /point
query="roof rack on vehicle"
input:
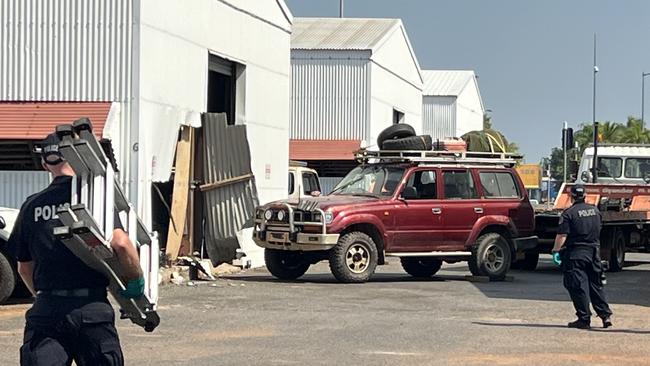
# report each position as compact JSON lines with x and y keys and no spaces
{"x":439,"y":157}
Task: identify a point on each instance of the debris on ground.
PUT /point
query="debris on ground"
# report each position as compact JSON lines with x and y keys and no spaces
{"x":225,"y":269}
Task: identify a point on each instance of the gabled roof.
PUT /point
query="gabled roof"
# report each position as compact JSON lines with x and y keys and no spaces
{"x":446,"y":82}
{"x":340,"y":33}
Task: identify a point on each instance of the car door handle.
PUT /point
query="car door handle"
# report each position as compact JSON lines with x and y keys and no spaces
{"x":436,"y":211}
{"x":478,"y":210}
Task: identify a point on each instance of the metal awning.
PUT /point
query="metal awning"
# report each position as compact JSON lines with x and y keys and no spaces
{"x":323,"y":149}
{"x":35,"y":120}
{"x":24,"y":124}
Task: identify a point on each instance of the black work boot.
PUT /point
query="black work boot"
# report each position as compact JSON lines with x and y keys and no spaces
{"x":580,"y":324}
{"x":607,"y":322}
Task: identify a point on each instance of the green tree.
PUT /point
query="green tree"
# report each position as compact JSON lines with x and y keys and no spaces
{"x":635,"y":133}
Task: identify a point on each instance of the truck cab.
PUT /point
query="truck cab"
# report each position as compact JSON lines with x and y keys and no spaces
{"x":303,"y":181}
{"x":617,"y":164}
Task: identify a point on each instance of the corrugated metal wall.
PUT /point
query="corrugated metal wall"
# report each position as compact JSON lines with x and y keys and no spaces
{"x":439,"y":116}
{"x":69,"y":50}
{"x":230,"y":208}
{"x":16,"y":186}
{"x":327,"y":184}
{"x":65,"y":50}
{"x":330,"y":95}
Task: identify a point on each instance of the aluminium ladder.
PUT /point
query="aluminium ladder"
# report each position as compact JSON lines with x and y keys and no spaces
{"x":88,"y":222}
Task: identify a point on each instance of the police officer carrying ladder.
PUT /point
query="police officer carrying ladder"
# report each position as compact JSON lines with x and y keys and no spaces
{"x":71,"y":318}
{"x":577,"y":250}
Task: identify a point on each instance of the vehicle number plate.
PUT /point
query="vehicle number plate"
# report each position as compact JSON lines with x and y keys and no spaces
{"x":280,"y":237}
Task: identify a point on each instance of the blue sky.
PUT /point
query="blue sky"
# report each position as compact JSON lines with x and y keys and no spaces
{"x":533,"y":58}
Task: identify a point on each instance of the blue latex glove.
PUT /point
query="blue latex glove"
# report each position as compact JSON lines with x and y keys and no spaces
{"x":556,"y":258}
{"x":134,"y":288}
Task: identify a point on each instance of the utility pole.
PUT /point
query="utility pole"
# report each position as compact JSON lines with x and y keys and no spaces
{"x":340,"y":8}
{"x":594,"y":165}
{"x":643,"y":76}
{"x":565,"y":146}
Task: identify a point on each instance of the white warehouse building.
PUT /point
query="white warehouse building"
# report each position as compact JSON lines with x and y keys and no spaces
{"x":350,"y":79}
{"x":144,"y":68}
{"x":451,"y":103}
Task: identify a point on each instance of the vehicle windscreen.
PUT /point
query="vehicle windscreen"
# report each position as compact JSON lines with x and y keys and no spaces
{"x":370,"y":180}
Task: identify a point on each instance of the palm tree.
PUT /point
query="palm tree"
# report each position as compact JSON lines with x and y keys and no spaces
{"x":611,"y":132}
{"x":635,"y":133}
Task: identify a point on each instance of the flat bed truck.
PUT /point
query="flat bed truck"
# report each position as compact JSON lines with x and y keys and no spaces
{"x":625,"y":209}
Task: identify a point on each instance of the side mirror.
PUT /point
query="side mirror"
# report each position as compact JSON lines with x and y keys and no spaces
{"x":3,"y":224}
{"x":409,"y":193}
{"x":315,"y":193}
{"x":585,"y":176}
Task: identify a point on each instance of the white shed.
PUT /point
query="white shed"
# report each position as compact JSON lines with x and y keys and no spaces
{"x":350,"y":79}
{"x":157,"y":65}
{"x":451,"y":103}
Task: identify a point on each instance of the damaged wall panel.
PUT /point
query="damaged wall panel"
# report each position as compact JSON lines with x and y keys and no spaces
{"x":229,"y":191}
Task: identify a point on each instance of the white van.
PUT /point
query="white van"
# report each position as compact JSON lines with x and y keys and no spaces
{"x":303,"y":181}
{"x":617,"y":163}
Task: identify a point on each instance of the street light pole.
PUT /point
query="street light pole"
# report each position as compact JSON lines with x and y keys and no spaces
{"x":340,"y":8}
{"x":594,"y":165}
{"x":643,"y":75}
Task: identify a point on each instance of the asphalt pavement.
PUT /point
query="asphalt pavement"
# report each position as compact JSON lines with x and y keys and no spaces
{"x":253,"y":319}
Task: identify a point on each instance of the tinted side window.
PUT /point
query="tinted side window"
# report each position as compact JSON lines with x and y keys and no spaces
{"x":291,"y":183}
{"x":459,"y":185}
{"x":637,"y":167}
{"x":424,"y":183}
{"x":499,"y":184}
{"x":610,"y":167}
{"x":309,"y":183}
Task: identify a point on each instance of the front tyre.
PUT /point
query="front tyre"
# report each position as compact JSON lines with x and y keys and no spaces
{"x":354,"y":258}
{"x":7,"y":278}
{"x":491,"y":257}
{"x":284,"y":264}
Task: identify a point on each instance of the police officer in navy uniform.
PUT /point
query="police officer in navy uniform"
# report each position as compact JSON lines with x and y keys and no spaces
{"x":577,"y":246}
{"x":71,"y":318}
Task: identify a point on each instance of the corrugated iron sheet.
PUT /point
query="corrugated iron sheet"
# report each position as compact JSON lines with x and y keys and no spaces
{"x":34,"y":121}
{"x":330,"y":97}
{"x":439,"y":117}
{"x":69,"y":50}
{"x":327,"y":184}
{"x":340,"y":33}
{"x":16,"y":186}
{"x":231,"y":208}
{"x":323,"y":149}
{"x":65,"y":50}
{"x":445,"y":82}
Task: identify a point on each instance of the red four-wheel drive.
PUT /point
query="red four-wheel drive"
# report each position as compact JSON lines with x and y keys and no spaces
{"x":425,"y":207}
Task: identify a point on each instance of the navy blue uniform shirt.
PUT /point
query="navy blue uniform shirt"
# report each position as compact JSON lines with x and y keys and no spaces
{"x":581,"y":223}
{"x":32,"y":239}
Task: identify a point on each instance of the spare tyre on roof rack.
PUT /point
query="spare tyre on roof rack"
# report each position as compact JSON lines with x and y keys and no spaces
{"x":423,"y":142}
{"x":398,"y":131}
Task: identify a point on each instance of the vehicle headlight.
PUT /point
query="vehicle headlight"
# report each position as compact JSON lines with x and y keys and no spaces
{"x":281,"y":215}
{"x":329,"y":217}
{"x":268,"y":215}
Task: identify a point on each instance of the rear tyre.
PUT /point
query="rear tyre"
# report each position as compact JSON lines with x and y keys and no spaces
{"x":421,"y":267}
{"x":423,"y":142}
{"x":354,"y":258}
{"x":617,"y":252}
{"x":529,"y":263}
{"x":397,"y":131}
{"x":491,"y":257}
{"x":7,"y":278}
{"x":284,"y":264}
